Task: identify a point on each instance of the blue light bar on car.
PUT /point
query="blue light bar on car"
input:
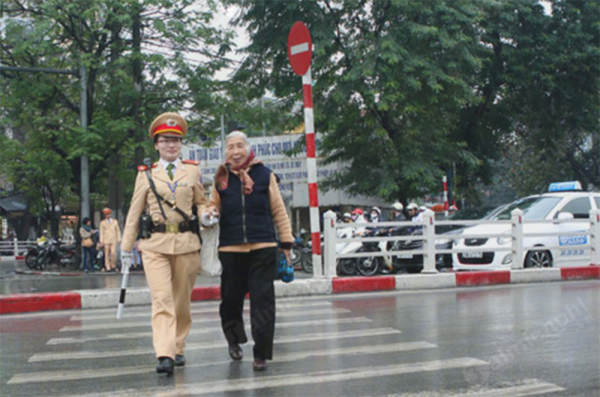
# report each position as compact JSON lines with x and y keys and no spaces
{"x":564,"y":186}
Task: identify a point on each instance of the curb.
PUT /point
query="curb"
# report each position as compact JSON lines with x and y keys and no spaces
{"x":12,"y":258}
{"x":46,"y":273}
{"x":95,"y":299}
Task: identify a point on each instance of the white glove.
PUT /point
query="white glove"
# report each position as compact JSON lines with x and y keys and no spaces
{"x":209,"y":219}
{"x":126,"y":260}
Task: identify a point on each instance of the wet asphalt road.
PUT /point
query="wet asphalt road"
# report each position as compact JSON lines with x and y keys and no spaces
{"x":533,"y":339}
{"x":16,"y":278}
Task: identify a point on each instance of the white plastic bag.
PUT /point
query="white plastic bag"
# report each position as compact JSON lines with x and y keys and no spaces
{"x":210,"y":265}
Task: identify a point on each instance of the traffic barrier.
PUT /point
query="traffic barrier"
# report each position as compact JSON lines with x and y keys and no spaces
{"x":95,"y":299}
{"x":468,"y":279}
{"x":363,"y":284}
{"x":22,"y":303}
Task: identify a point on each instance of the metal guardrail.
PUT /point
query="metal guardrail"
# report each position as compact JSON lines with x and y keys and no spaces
{"x":429,"y":237}
{"x":15,"y":247}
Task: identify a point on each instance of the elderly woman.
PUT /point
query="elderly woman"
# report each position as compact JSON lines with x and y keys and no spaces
{"x":246,"y":198}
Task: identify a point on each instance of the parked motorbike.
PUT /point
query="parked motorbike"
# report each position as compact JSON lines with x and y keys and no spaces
{"x":297,"y":251}
{"x":54,"y":252}
{"x":368,"y":266}
{"x":32,"y":254}
{"x":344,"y":266}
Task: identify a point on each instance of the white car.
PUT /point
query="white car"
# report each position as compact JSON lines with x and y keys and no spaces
{"x":556,"y":204}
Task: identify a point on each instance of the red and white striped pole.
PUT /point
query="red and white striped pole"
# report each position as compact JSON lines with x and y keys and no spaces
{"x":445,"y":180}
{"x":300,"y":56}
{"x":311,"y":165}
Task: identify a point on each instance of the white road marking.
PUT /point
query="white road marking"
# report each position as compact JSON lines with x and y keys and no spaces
{"x":81,"y":355}
{"x":293,"y":379}
{"x":203,"y":310}
{"x":69,"y":375}
{"x":531,"y":387}
{"x":216,"y":318}
{"x":206,"y":330}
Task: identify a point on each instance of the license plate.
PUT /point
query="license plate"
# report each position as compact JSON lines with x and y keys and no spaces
{"x":405,"y":256}
{"x":474,"y":255}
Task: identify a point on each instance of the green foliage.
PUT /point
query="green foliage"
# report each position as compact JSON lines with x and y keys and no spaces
{"x":129,"y":81}
{"x":406,"y":91}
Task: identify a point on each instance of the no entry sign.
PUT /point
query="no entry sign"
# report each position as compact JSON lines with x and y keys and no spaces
{"x":299,"y":48}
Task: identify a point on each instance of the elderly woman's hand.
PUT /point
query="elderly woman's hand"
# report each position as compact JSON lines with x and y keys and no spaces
{"x":287,"y":254}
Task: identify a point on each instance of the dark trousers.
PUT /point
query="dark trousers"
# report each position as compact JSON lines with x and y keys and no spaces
{"x":88,"y":258}
{"x":252,"y":272}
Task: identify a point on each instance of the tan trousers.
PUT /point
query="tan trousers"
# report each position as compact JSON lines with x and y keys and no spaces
{"x":110,"y":256}
{"x":171,"y":279}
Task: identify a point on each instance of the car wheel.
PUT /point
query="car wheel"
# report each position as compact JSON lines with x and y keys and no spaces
{"x":538,"y":259}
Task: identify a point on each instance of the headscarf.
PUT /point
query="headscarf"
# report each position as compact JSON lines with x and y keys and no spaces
{"x":222,"y":174}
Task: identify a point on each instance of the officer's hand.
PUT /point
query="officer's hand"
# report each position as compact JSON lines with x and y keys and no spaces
{"x":126,"y":260}
{"x":209,"y":219}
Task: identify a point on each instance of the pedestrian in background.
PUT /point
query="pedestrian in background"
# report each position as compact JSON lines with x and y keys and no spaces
{"x":110,"y":236}
{"x":171,"y":254}
{"x":86,"y":232}
{"x":246,"y":197}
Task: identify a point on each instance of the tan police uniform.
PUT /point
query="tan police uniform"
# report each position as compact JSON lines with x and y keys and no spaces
{"x":171,"y":258}
{"x":110,"y":235}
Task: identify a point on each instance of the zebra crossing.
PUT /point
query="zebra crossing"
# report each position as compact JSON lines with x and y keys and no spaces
{"x":321,"y":349}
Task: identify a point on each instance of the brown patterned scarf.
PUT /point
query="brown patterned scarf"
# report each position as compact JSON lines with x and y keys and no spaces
{"x":222,"y":174}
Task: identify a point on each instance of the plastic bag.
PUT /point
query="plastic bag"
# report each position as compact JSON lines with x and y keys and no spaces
{"x":210,"y":265}
{"x":285,"y":271}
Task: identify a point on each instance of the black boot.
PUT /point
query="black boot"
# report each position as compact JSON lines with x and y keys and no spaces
{"x":165,"y":365}
{"x":179,"y":360}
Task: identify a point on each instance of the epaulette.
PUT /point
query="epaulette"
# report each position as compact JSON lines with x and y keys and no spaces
{"x":142,"y":168}
{"x":194,"y":162}
{"x":155,"y":165}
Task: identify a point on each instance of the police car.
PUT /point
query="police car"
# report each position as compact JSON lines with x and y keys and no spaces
{"x":564,"y":200}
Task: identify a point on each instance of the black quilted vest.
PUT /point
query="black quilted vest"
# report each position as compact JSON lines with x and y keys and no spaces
{"x":246,"y":218}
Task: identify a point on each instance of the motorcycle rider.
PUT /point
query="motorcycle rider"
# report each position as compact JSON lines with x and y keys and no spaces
{"x":398,"y":213}
{"x":43,"y":239}
{"x":357,"y":215}
{"x":414,"y":213}
{"x":375,"y":217}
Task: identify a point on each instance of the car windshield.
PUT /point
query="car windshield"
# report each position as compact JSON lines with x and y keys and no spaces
{"x":532,"y":207}
{"x":469,"y":213}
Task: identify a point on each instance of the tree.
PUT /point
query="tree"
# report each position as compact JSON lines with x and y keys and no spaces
{"x":406,"y":91}
{"x":135,"y":54}
{"x":537,"y":120}
{"x":390,"y":80}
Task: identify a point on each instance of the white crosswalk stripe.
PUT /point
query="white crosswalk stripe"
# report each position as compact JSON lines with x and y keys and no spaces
{"x":209,"y":345}
{"x":202,"y":310}
{"x":220,"y":386}
{"x":310,"y":336}
{"x":205,"y":330}
{"x":286,"y":357}
{"x":213,"y":318}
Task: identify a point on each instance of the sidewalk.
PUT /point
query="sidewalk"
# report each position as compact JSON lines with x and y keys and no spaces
{"x":34,"y":291}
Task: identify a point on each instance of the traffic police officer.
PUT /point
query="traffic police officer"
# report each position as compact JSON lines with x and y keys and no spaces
{"x":110,"y":236}
{"x":171,"y":253}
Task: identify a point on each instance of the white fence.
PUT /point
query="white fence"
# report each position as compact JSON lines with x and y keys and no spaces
{"x":429,"y":237}
{"x":15,"y":247}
